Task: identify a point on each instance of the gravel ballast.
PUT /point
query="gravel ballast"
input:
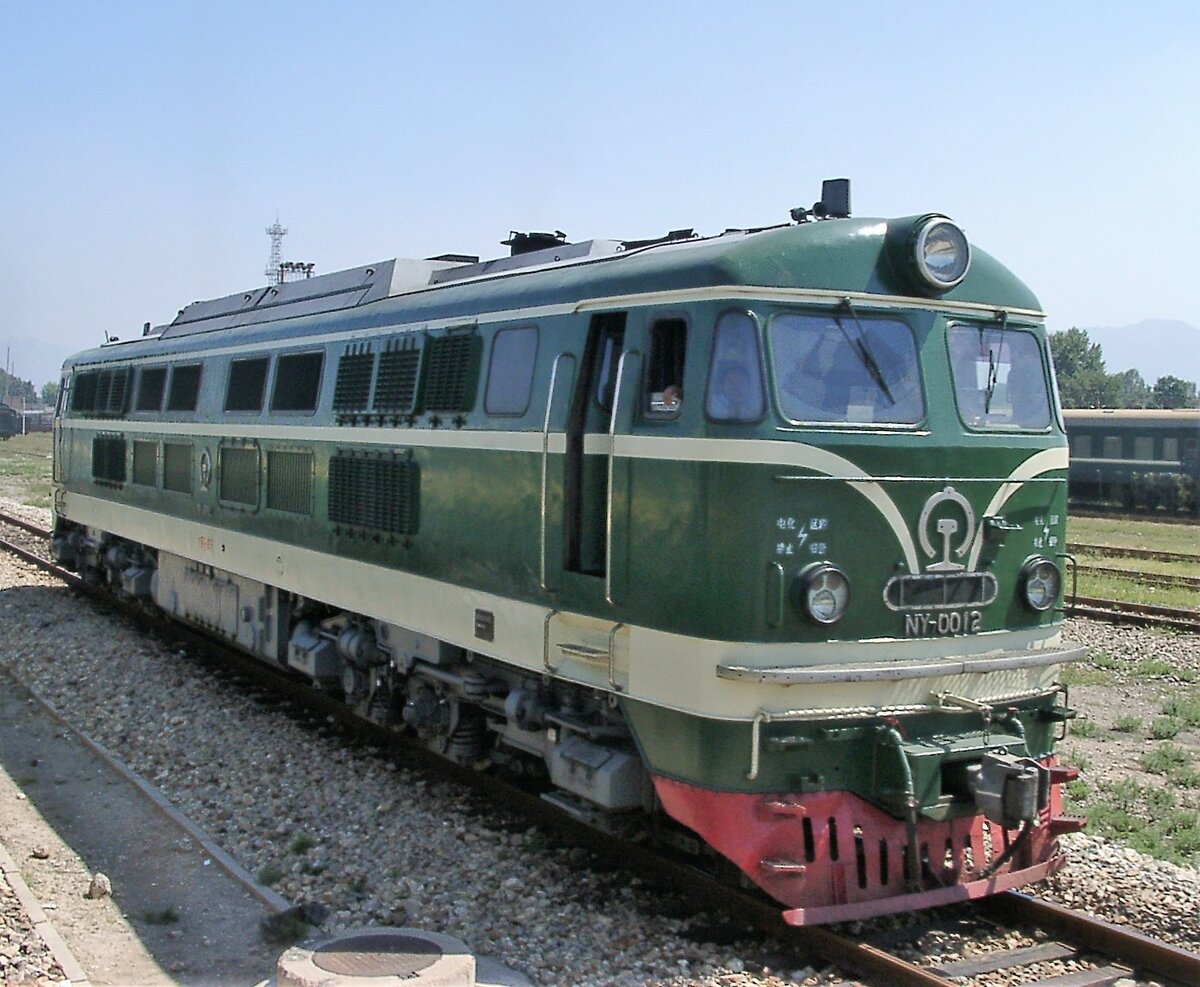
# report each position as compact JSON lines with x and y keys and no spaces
{"x":376,"y":843}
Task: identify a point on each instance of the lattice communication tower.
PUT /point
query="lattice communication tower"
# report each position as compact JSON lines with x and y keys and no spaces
{"x":274,"y":269}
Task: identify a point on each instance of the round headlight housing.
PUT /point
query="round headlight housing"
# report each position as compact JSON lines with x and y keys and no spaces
{"x":824,"y":593}
{"x":1041,"y":583}
{"x":941,"y":253}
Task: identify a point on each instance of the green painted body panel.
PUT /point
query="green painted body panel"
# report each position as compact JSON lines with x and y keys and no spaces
{"x":832,"y":755}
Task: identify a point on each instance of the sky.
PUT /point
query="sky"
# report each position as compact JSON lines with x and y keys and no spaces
{"x":146,"y":146}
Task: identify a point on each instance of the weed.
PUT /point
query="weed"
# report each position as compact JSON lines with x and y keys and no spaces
{"x":1184,"y":777}
{"x":358,"y":885}
{"x":1165,"y":728}
{"x":1166,"y":760}
{"x":24,"y":781}
{"x":1155,"y":668}
{"x":284,"y":930}
{"x":1077,"y":758}
{"x":1078,"y":790}
{"x":1075,"y":675}
{"x":268,"y":875}
{"x":1184,"y":708}
{"x":1106,"y":662}
{"x":316,"y":869}
{"x":161,"y":916}
{"x":302,"y":844}
{"x":1128,"y":724}
{"x":1084,"y":729}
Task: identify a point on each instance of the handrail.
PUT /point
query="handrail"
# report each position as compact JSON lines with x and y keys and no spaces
{"x":546,"y":462}
{"x":612,"y":446}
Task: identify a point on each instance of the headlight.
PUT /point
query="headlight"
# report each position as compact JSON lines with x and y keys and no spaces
{"x":825,"y":593}
{"x":941,"y":252}
{"x":1041,"y":583}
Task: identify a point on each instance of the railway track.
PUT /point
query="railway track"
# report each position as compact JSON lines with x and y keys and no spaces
{"x":1138,"y":614}
{"x":1100,"y":953}
{"x":1126,"y":515}
{"x":1164,"y":579}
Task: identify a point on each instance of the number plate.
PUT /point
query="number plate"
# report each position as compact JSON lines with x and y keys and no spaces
{"x":942,"y":623}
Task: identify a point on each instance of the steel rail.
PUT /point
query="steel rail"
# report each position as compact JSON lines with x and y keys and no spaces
{"x":1165,"y":579}
{"x":16,"y":522}
{"x":1132,"y":553}
{"x":1139,"y":614}
{"x":1144,"y":953}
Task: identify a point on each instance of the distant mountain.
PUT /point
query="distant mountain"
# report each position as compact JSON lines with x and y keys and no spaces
{"x":1155,"y":347}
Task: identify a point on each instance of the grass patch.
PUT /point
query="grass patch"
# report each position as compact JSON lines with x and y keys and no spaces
{"x":1166,"y":760}
{"x":1128,"y":724}
{"x":161,"y":916}
{"x":1134,"y":533}
{"x":1154,"y":668}
{"x":1149,"y":818}
{"x":1085,"y":729}
{"x":1106,"y":662}
{"x":25,"y":469}
{"x":1084,"y":675}
{"x":1184,"y":708}
{"x":285,"y":930}
{"x":269,"y":875}
{"x":302,"y":844}
{"x":1076,"y":758}
{"x":1131,"y":590}
{"x":24,"y":781}
{"x":1165,"y":728}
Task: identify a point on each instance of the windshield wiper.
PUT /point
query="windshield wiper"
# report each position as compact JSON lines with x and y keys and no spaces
{"x":994,"y":362}
{"x":864,"y":351}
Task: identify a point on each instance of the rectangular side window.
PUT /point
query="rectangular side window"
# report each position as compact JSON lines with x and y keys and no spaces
{"x":510,"y":371}
{"x":145,"y":463}
{"x":1112,"y":447}
{"x":664,"y":372}
{"x":247,"y":384}
{"x":297,"y":382}
{"x":1081,"y":446}
{"x":177,"y":467}
{"x":1143,"y":447}
{"x":1170,"y":452}
{"x":152,"y":384}
{"x":185,"y":388}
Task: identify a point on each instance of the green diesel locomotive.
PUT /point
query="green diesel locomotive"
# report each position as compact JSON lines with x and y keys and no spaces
{"x":755,"y":537}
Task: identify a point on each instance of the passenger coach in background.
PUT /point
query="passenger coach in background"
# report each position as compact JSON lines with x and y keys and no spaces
{"x":755,"y":537}
{"x":10,"y":422}
{"x":1139,"y":459}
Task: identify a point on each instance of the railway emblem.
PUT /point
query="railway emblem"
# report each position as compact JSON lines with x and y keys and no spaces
{"x":946,"y":526}
{"x":205,"y":469}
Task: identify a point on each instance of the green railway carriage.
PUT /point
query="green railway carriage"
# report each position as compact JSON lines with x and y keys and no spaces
{"x":759,"y":533}
{"x":10,"y":422}
{"x":1142,"y":458}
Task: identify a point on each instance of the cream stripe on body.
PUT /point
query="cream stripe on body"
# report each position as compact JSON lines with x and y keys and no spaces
{"x":671,"y":670}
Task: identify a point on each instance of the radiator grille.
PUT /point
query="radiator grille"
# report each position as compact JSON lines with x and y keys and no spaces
{"x":374,"y":492}
{"x":396,"y":385}
{"x":177,"y":467}
{"x":289,"y":481}
{"x":108,"y":459}
{"x":451,"y":371}
{"x":101,"y":393}
{"x":352,"y":389}
{"x":145,"y":463}
{"x":239,"y":474}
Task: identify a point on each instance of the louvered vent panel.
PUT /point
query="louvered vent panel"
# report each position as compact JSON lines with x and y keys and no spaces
{"x":83,"y":391}
{"x":145,"y":463}
{"x":239,"y":474}
{"x":108,"y":459}
{"x":118,"y":390}
{"x":177,"y":467}
{"x":103,"y":387}
{"x":396,"y":385}
{"x":289,"y":481}
{"x":352,"y":390}
{"x":452,"y":365}
{"x":374,"y":492}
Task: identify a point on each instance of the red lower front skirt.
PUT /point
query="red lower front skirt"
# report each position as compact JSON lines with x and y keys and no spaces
{"x":832,"y":857}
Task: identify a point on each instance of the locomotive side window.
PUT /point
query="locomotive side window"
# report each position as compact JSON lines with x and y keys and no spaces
{"x":247,"y":383}
{"x":510,"y":371}
{"x":999,"y":377}
{"x":185,"y":388}
{"x":152,"y":384}
{"x":664,"y":373}
{"x":843,"y":369}
{"x":735,"y":378}
{"x":297,"y":382}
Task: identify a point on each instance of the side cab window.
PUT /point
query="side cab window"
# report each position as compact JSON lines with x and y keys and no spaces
{"x":664,"y":370}
{"x":735,"y":377}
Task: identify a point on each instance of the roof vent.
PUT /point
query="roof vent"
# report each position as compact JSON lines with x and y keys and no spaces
{"x":526,"y":243}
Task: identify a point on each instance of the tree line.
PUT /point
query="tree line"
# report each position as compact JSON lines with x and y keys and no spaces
{"x":1084,"y":381}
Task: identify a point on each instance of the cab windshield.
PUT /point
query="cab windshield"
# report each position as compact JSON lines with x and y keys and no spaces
{"x":999,"y":377}
{"x":841,"y":368}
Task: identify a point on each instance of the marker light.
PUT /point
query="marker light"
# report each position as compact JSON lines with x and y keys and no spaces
{"x":825,"y":591}
{"x":941,"y":252}
{"x":1041,"y":583}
